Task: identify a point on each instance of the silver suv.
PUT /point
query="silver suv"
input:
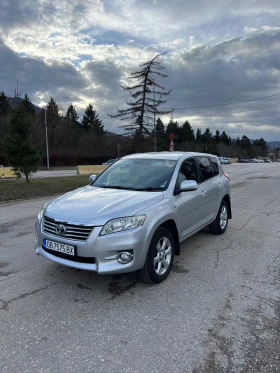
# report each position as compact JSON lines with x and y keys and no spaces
{"x":134,"y":215}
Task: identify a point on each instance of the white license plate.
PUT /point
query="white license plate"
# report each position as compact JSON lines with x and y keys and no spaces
{"x":60,"y":247}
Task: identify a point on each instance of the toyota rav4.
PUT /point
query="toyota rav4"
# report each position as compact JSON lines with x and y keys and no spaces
{"x":135,"y":214}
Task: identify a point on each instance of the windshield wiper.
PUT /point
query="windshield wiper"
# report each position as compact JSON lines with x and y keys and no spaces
{"x":111,"y":186}
{"x":115,"y":187}
{"x":148,"y":189}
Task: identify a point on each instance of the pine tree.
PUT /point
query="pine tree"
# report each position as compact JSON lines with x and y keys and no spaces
{"x":217,"y":136}
{"x":261,"y":143}
{"x":91,"y":120}
{"x":54,"y":122}
{"x":225,"y":139}
{"x":160,"y":135}
{"x":52,"y":107}
{"x":22,"y":154}
{"x":160,"y":130}
{"x":4,"y":105}
{"x":28,"y":105}
{"x":72,"y":114}
{"x":146,"y":97}
{"x":198,"y":136}
{"x":187,"y":133}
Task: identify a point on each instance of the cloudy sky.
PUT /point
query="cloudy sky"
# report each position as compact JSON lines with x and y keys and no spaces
{"x":222,"y":57}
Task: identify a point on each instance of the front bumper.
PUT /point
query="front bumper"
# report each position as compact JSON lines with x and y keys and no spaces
{"x":98,"y":253}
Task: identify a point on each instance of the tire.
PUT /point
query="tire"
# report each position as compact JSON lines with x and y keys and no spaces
{"x":159,"y":258}
{"x":220,"y":223}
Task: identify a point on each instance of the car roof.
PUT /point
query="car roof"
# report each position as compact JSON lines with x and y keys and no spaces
{"x":167,"y":155}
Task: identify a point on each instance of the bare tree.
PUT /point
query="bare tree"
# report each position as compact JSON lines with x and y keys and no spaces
{"x":146,"y":97}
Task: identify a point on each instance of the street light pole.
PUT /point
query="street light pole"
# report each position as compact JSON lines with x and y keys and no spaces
{"x":47,"y":144}
{"x":155,"y":120}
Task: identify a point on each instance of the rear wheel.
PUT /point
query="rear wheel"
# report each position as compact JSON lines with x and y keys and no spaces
{"x":219,"y":225}
{"x":159,"y":258}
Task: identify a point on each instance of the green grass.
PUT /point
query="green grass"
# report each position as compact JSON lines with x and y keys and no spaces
{"x":13,"y":189}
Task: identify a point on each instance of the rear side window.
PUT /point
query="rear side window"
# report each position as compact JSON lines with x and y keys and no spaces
{"x":208,"y":170}
{"x":215,"y":166}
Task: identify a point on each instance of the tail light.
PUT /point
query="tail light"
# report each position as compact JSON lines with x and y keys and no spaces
{"x":226,"y":175}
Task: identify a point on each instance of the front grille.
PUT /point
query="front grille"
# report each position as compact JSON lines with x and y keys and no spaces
{"x":66,"y":230}
{"x":78,"y":259}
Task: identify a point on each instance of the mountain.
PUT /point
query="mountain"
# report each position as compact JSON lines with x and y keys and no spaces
{"x":13,"y":100}
{"x":273,"y":144}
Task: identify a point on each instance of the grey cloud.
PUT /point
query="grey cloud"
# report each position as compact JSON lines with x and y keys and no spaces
{"x":14,"y":13}
{"x":106,"y":73}
{"x":60,"y":79}
{"x":232,"y":71}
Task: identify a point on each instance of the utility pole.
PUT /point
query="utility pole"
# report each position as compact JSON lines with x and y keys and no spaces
{"x":155,"y":121}
{"x":47,"y":143}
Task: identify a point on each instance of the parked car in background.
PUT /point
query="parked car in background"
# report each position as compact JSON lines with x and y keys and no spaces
{"x":224,"y":160}
{"x":256,"y":160}
{"x":135,"y":214}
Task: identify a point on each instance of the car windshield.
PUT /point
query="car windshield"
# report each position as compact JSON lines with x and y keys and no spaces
{"x":137,"y":174}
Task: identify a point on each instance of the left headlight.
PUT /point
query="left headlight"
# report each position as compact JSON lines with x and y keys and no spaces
{"x":123,"y":224}
{"x":43,"y":208}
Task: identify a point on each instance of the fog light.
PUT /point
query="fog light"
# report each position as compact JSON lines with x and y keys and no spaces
{"x":124,"y":257}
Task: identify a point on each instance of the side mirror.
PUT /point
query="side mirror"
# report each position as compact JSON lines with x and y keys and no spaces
{"x":188,"y":185}
{"x":92,"y":178}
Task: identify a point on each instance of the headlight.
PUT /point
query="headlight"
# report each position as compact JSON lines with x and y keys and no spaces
{"x":43,"y":208}
{"x":123,"y":224}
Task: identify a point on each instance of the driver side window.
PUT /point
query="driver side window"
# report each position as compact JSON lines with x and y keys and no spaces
{"x":188,"y":171}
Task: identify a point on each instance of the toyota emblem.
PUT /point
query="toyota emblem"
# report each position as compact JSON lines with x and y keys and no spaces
{"x":60,"y":229}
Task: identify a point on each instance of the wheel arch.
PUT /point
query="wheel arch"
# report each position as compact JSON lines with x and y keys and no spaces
{"x":227,"y":200}
{"x":171,"y":226}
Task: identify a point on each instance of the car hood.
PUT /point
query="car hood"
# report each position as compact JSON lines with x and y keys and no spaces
{"x":95,"y":206}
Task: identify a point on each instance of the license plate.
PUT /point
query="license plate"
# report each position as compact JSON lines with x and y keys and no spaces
{"x":60,"y":247}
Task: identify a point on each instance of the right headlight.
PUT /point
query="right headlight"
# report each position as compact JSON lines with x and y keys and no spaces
{"x":122,"y":224}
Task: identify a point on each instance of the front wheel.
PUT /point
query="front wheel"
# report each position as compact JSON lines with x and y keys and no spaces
{"x":219,"y":225}
{"x":159,"y":258}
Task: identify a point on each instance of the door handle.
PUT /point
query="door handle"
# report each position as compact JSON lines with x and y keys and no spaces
{"x":203,"y":192}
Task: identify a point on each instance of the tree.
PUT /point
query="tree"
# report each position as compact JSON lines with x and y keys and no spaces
{"x":21,"y":152}
{"x":225,"y":138}
{"x":52,"y":107}
{"x":187,"y":133}
{"x":28,"y":105}
{"x":261,"y":143}
{"x":160,"y":130}
{"x":246,"y":146}
{"x":91,"y":120}
{"x":160,"y":136}
{"x":206,"y":138}
{"x":53,"y":124}
{"x":4,"y":105}
{"x":72,"y":114}
{"x":146,"y":97}
{"x":217,"y":136}
{"x":198,"y":136}
{"x":5,"y":109}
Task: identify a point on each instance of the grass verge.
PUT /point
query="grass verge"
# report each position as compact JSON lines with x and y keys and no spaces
{"x":12,"y":189}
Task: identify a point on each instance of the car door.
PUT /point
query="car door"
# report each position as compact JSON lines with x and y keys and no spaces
{"x":210,"y":188}
{"x":189,"y":205}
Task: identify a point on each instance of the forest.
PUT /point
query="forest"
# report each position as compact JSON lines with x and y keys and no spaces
{"x":73,"y":141}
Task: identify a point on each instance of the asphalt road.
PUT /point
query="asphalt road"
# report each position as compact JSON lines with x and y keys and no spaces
{"x":218,"y":311}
